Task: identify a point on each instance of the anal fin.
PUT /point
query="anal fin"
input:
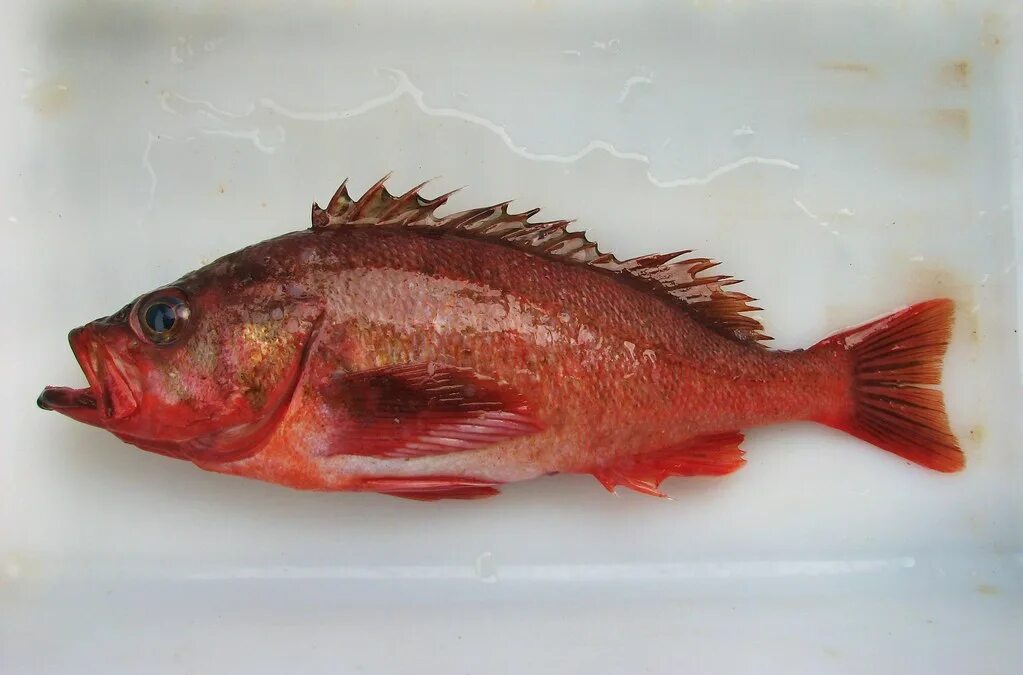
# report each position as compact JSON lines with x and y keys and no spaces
{"x":711,"y":455}
{"x":430,"y":488}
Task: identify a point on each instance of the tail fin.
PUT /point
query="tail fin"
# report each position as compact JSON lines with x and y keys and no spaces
{"x":894,"y":362}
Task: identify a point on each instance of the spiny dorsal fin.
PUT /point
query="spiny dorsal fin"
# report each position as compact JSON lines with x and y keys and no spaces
{"x":376,"y":205}
{"x":669,"y":274}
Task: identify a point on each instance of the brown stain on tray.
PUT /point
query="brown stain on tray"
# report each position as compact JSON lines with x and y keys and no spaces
{"x":992,"y":27}
{"x":949,"y":122}
{"x":854,"y":67}
{"x":953,"y":121}
{"x":956,"y":74}
{"x":842,"y":119}
{"x":927,"y":165}
{"x":934,"y":280}
{"x":922,"y":280}
{"x":49,"y":99}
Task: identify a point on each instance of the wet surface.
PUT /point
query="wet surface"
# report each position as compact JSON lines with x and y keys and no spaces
{"x":839,"y":173}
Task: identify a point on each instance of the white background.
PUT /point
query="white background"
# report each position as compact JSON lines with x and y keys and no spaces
{"x":844,"y":158}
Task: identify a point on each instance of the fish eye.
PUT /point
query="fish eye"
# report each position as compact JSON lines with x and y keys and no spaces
{"x":162,"y":317}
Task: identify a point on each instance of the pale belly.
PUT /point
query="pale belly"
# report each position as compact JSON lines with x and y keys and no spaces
{"x":298,"y":461}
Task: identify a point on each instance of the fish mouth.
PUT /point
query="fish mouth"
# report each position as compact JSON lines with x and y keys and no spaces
{"x":108,"y":396}
{"x":66,"y":398}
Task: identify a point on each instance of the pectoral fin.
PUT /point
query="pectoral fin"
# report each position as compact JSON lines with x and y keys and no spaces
{"x":424,"y":409}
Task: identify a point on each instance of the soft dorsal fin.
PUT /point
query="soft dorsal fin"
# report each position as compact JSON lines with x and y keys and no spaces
{"x":672,"y":275}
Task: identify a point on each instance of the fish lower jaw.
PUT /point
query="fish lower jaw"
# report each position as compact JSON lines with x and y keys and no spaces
{"x":67,"y":398}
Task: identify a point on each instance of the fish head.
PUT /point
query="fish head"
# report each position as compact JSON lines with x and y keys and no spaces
{"x":203,"y":369}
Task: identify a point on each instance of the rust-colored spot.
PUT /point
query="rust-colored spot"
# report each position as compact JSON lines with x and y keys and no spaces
{"x":956,"y":74}
{"x":220,"y":188}
{"x":950,"y":120}
{"x":977,"y":433}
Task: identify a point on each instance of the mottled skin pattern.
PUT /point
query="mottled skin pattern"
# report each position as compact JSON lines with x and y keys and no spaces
{"x":610,"y":369}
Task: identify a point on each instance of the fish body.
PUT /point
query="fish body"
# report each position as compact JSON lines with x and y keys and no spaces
{"x":388,"y":349}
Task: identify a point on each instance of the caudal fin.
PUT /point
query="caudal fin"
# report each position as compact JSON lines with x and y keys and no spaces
{"x":895,"y":363}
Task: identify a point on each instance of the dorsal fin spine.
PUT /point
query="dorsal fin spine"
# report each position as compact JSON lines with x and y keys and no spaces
{"x":668,"y":274}
{"x":340,"y":198}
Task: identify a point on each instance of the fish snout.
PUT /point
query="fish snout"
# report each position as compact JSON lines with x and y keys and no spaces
{"x":105,"y":369}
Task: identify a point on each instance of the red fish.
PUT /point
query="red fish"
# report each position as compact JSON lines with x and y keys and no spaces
{"x":393,"y":350}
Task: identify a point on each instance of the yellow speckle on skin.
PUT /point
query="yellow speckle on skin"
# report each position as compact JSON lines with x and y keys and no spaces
{"x":269,"y":352}
{"x":175,"y":384}
{"x":988,"y":589}
{"x":263,"y":340}
{"x":202,"y":350}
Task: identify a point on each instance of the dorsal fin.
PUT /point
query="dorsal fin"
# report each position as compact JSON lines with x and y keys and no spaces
{"x":377,"y":205}
{"x":669,"y":274}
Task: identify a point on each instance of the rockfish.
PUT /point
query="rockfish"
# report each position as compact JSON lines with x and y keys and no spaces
{"x":391,"y":349}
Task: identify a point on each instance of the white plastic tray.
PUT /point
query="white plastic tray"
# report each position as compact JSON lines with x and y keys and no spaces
{"x":843,"y":158}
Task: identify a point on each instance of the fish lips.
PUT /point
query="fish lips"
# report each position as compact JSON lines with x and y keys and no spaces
{"x":108,"y":398}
